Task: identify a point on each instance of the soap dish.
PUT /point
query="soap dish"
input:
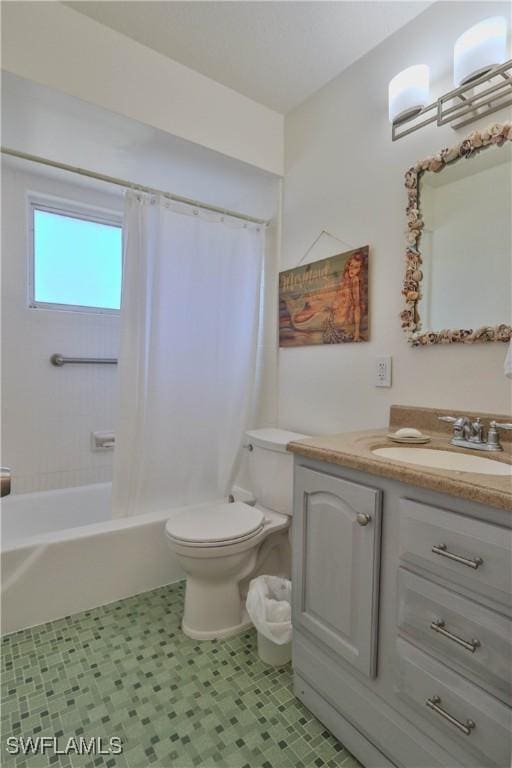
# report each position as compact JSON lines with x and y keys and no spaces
{"x":409,"y":440}
{"x":409,"y":435}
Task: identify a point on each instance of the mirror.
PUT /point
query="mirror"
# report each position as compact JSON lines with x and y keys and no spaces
{"x":466,"y":242}
{"x":458,"y":282}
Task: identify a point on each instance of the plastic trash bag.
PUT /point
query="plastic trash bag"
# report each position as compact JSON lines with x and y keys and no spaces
{"x":269,"y":607}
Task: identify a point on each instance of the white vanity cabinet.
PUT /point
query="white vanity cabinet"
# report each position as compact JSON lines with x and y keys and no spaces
{"x":336,"y":530}
{"x":402,"y":619}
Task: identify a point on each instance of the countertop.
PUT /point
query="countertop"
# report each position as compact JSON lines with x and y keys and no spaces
{"x":354,"y":450}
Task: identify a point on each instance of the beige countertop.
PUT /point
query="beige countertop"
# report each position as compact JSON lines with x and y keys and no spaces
{"x":354,"y":450}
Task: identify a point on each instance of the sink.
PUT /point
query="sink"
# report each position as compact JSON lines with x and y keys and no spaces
{"x":458,"y":462}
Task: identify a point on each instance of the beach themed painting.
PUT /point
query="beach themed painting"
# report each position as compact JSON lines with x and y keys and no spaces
{"x":325,"y":302}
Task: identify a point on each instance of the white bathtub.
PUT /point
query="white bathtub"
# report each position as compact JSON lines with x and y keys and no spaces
{"x":30,"y":514}
{"x":63,"y":553}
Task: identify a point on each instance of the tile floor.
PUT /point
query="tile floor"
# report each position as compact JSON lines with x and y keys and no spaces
{"x":127,"y":670}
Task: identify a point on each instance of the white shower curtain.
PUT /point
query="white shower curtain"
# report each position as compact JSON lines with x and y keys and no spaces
{"x":189,"y":325}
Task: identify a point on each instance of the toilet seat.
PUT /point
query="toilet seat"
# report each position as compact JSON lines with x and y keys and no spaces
{"x":214,"y":526}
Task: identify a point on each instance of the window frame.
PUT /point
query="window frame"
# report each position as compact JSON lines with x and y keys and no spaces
{"x":73,"y":209}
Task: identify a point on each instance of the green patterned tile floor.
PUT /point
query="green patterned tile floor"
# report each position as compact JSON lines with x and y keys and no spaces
{"x":126,"y":670}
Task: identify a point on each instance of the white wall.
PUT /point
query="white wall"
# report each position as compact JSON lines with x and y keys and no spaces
{"x":48,"y":412}
{"x":43,"y":121}
{"x":343,"y":174}
{"x":56,"y":46}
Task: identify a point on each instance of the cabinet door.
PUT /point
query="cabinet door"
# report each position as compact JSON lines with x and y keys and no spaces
{"x":336,"y":557}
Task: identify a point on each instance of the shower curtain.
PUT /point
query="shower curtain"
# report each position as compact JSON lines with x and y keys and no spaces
{"x":189,"y":327}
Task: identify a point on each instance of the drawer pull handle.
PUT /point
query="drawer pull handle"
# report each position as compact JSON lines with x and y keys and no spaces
{"x":439,"y":626}
{"x":362,"y":518}
{"x":434,"y":704}
{"x":440,"y":549}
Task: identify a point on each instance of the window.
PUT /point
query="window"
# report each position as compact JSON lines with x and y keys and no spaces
{"x":76,"y":258}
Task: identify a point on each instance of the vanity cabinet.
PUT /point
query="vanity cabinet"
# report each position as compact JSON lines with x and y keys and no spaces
{"x":336,"y":532}
{"x":402,"y":619}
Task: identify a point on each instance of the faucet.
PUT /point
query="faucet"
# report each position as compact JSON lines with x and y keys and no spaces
{"x":470,"y":434}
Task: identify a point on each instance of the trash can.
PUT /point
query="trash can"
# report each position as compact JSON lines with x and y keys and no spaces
{"x":269,"y":608}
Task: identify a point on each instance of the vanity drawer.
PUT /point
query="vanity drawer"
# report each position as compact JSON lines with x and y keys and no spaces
{"x":453,"y":709}
{"x":475,"y":554}
{"x":463,"y":634}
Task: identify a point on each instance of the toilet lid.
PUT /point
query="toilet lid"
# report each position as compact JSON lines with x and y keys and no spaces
{"x":215,"y":524}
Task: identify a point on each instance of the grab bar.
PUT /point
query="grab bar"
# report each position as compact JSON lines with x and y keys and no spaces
{"x":5,"y":480}
{"x":60,"y":360}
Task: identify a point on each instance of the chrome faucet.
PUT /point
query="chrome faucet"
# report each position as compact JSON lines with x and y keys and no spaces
{"x":470,"y":434}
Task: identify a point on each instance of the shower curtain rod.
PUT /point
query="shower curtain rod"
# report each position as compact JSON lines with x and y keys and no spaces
{"x":130,"y":185}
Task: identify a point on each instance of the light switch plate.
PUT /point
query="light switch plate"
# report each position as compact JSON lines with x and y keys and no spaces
{"x":383,"y":371}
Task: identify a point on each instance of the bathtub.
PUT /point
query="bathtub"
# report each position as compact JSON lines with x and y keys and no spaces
{"x":31,"y":514}
{"x":63,"y":553}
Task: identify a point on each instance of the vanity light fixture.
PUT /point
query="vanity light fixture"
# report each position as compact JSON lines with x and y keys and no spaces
{"x":480,"y":49}
{"x":409,"y":92}
{"x":482,"y":75}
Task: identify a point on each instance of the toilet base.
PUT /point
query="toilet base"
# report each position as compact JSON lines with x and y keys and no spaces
{"x":217,"y":578}
{"x":218,"y":634}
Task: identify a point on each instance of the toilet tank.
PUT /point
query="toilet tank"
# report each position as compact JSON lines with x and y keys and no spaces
{"x":271,"y":467}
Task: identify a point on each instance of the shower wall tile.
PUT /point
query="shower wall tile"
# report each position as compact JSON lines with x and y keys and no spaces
{"x":48,"y":413}
{"x":50,"y":481}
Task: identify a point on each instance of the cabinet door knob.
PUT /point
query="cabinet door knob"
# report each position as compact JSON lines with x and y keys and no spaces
{"x":363,"y":519}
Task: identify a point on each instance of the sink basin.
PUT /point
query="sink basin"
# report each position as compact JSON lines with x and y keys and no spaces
{"x":458,"y":462}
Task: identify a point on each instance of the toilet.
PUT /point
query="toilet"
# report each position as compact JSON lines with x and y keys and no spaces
{"x":221,"y":545}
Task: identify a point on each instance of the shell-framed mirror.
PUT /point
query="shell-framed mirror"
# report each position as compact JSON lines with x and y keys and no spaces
{"x":458,"y":274}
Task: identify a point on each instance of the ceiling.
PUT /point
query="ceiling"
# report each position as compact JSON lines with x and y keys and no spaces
{"x":276,"y":53}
